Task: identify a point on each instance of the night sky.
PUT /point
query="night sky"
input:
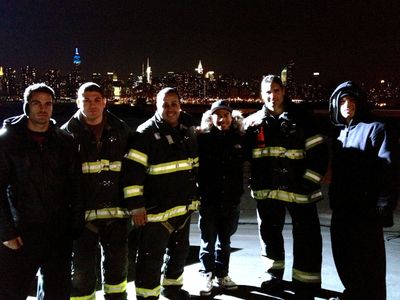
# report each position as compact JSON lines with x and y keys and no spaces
{"x":358,"y":40}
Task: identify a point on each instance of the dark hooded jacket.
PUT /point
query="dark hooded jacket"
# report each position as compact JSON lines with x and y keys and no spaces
{"x":362,"y":163}
{"x":39,"y":183}
{"x":221,"y":157}
{"x":101,"y":165}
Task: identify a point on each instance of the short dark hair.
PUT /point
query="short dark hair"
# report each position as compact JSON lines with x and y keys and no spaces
{"x":37,"y":88}
{"x":271,"y":79}
{"x":89,"y":87}
{"x":167,"y":91}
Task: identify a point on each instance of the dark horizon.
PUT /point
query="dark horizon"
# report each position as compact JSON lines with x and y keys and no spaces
{"x":341,"y":40}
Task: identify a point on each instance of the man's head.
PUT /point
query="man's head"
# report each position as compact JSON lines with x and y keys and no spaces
{"x":347,"y":102}
{"x":38,"y":106}
{"x":91,"y":102}
{"x":273,"y":93}
{"x":221,"y":114}
{"x":169,"y":106}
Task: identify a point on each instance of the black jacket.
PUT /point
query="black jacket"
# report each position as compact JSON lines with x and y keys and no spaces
{"x":101,"y":165}
{"x":221,"y":157}
{"x":160,"y":170}
{"x":39,"y":183}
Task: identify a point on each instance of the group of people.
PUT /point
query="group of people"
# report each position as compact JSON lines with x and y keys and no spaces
{"x":95,"y":184}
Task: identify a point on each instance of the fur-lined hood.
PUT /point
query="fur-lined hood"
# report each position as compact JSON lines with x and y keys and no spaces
{"x":206,"y":122}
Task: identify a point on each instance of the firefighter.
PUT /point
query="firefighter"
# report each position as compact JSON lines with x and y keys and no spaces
{"x":288,"y":160}
{"x":102,"y":139}
{"x":160,"y":190}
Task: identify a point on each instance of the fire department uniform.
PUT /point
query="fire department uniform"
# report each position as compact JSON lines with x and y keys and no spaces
{"x":160,"y":175}
{"x":288,"y":160}
{"x":106,"y":216}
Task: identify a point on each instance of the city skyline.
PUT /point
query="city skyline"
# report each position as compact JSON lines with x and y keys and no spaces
{"x":341,"y":40}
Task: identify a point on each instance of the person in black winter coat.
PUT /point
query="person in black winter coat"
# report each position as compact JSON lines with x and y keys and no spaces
{"x":221,"y":157}
{"x":40,"y":207}
{"x":361,"y":194}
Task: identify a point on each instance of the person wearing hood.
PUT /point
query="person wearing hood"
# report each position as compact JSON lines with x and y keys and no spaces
{"x":361,"y":194}
{"x":160,"y":177}
{"x":102,"y":140}
{"x":221,"y":157}
{"x":289,"y":158}
{"x":40,"y":206}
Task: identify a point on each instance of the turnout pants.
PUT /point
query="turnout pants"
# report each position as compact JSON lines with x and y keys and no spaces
{"x":112,"y":236}
{"x":45,"y":247}
{"x":307,"y":242}
{"x":359,"y":254}
{"x":163,"y":248}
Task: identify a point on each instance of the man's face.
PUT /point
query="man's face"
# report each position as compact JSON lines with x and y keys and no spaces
{"x":40,"y":108}
{"x":92,"y":106}
{"x":273,"y":96}
{"x":347,"y":107}
{"x":222,"y":119}
{"x":169,"y":109}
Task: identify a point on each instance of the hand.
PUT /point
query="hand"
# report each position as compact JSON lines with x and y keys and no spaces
{"x":139,"y":218}
{"x":14,"y":244}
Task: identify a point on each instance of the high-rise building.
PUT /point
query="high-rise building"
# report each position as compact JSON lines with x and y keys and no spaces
{"x":199,"y":68}
{"x":28,"y":76}
{"x":75,"y":79}
{"x":148,"y":72}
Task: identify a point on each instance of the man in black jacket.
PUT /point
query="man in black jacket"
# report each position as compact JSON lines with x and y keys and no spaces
{"x":40,"y":208}
{"x":102,"y":140}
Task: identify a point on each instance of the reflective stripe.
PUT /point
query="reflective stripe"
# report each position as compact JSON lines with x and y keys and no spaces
{"x":137,"y":156}
{"x":132,"y":191}
{"x":278,"y":152}
{"x":173,"y":212}
{"x":89,"y":297}
{"x":101,"y":165}
{"x":286,"y":196}
{"x":115,"y":288}
{"x":147,"y":292}
{"x":313,"y":141}
{"x":106,"y":213}
{"x":306,"y":276}
{"x":169,"y":281}
{"x":313,"y":176}
{"x":278,"y":265}
{"x":173,"y":166}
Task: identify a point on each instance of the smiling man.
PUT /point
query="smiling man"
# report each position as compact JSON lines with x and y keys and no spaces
{"x":40,"y":208}
{"x":160,"y":190}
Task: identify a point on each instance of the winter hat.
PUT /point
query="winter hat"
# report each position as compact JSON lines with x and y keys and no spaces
{"x":220,"y":104}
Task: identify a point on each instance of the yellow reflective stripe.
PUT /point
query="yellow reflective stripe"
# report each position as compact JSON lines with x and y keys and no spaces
{"x":101,"y":165}
{"x":278,"y":265}
{"x":195,"y":162}
{"x":89,"y":297}
{"x":278,"y":152}
{"x":313,"y":176}
{"x":133,"y":191}
{"x":106,"y":213}
{"x":173,"y":166}
{"x":147,"y":292}
{"x":306,"y":276}
{"x":314,"y":141}
{"x":137,"y":156}
{"x":173,"y":212}
{"x":115,"y":288}
{"x":169,"y":281}
{"x":286,"y":196}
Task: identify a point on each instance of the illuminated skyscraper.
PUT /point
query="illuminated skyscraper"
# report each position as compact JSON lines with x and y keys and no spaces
{"x":75,"y":79}
{"x":28,"y":76}
{"x":148,"y":72}
{"x":199,"y":68}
